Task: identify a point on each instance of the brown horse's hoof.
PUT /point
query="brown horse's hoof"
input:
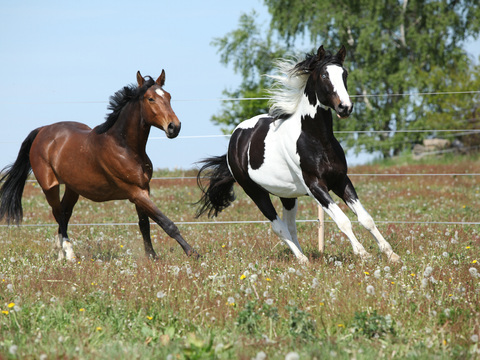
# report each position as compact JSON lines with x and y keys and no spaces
{"x":194,"y":254}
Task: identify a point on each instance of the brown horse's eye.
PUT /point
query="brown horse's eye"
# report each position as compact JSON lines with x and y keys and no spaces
{"x":151,"y":99}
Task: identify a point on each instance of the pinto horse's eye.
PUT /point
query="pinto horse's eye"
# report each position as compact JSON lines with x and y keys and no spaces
{"x":324,"y":76}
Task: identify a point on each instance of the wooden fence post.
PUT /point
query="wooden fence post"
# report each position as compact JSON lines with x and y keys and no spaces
{"x":321,"y":229}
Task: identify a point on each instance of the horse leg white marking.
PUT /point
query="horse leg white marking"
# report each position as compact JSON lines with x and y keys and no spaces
{"x":68,"y":248}
{"x":59,"y":247}
{"x":289,"y":218}
{"x":367,"y":222}
{"x":345,"y":225}
{"x":281,"y":229}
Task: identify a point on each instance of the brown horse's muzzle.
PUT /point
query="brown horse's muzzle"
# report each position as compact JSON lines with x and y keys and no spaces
{"x":172,"y":130}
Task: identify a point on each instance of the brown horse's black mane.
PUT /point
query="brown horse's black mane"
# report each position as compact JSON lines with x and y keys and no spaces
{"x":121,"y":98}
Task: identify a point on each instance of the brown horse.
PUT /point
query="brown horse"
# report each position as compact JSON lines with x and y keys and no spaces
{"x":106,"y":163}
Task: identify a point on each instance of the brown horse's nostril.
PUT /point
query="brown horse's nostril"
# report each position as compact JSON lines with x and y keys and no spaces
{"x":173,"y":130}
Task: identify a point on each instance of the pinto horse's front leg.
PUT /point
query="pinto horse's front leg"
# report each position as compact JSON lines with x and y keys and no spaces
{"x":320,"y":193}
{"x":349,"y":196}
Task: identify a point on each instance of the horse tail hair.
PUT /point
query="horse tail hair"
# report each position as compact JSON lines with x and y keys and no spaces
{"x":219,"y":193}
{"x":14,"y":177}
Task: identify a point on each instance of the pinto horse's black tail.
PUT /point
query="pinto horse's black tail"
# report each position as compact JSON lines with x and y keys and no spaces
{"x":219,"y":193}
{"x":14,"y":178}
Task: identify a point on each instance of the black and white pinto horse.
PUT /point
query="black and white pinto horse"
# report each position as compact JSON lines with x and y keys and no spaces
{"x":292,"y":152}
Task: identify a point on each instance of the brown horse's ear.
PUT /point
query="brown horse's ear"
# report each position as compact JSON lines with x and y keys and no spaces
{"x":161,"y":79}
{"x":321,"y":52}
{"x":140,"y":79}
{"x":342,"y":53}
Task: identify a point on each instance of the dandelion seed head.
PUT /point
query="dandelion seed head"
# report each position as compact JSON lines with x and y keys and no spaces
{"x":161,"y":294}
{"x":474,"y":338}
{"x":428,"y":271}
{"x":269,"y":301}
{"x":13,"y":349}
{"x":473,"y":271}
{"x":377,"y":274}
{"x":292,"y":356}
{"x":370,"y":290}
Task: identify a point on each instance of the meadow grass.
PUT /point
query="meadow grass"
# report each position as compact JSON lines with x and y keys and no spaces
{"x":247,"y":297}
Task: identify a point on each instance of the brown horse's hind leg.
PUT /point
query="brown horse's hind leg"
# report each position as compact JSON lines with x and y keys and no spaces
{"x":143,"y":202}
{"x":63,"y":245}
{"x":144,"y":224}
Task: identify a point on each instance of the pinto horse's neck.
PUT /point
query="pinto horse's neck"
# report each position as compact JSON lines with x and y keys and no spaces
{"x":130,"y":130}
{"x":316,"y":120}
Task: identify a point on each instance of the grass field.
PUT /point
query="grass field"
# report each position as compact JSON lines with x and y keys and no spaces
{"x":247,"y":297}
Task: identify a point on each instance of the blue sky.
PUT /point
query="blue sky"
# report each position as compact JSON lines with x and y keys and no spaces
{"x":62,"y":60}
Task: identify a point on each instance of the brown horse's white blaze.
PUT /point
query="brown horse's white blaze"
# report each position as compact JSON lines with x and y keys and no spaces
{"x":106,"y":163}
{"x":293,"y":152}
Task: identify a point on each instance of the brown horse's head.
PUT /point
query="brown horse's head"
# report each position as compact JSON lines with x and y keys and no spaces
{"x":157,"y":110}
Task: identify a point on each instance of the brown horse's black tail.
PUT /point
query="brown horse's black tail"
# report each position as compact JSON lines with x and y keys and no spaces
{"x":219,"y":193}
{"x":14,"y":178}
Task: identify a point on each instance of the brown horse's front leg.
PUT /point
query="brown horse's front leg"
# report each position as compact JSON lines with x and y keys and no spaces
{"x":147,"y":207}
{"x":144,"y":224}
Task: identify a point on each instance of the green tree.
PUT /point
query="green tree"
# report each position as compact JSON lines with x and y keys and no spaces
{"x":394,"y":47}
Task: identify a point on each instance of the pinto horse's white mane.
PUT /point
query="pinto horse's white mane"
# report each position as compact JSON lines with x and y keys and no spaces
{"x":287,"y":89}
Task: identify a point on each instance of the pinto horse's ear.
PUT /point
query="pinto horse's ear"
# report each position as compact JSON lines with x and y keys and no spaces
{"x":320,"y":52}
{"x":140,"y":79}
{"x":161,"y":79}
{"x":342,"y":53}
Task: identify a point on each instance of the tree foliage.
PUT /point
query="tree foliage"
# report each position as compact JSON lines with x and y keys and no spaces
{"x":394,"y":47}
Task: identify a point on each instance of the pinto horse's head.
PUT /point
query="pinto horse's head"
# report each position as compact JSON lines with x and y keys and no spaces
{"x":157,"y":110}
{"x":329,"y":78}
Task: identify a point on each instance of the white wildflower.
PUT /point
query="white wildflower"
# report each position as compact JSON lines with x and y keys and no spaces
{"x":428,"y":271}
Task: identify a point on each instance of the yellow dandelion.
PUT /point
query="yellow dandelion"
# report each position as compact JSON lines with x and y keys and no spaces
{"x":341,"y":325}
{"x":412,"y":274}
{"x":242,"y":277}
{"x":366,"y":273}
{"x":98,"y":328}
{"x":149,"y":317}
{"x":474,"y":261}
{"x":393,"y":282}
{"x":268,"y":279}
{"x":322,"y":304}
{"x":81,"y":310}
{"x":11,"y":305}
{"x":450,"y":295}
{"x":223,"y":245}
{"x":121,"y":246}
{"x":5,"y":312}
{"x":468,"y":247}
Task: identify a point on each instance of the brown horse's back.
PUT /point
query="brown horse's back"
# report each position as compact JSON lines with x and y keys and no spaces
{"x":64,"y":153}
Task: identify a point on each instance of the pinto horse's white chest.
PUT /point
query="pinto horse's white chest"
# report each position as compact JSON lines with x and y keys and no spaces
{"x":279,"y":172}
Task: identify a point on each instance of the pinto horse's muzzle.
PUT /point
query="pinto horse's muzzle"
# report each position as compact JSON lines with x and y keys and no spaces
{"x":343,"y":110}
{"x":172,"y":130}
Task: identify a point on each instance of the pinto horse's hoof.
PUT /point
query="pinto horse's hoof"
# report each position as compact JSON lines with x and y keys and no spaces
{"x":394,"y":258}
{"x":366,"y":256}
{"x":303,"y":260}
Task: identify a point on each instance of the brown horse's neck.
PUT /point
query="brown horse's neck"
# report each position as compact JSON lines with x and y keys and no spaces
{"x":130,"y":129}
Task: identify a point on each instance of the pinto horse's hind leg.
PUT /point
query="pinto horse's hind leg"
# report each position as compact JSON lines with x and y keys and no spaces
{"x":62,"y":211}
{"x":144,"y":224}
{"x":349,"y":196}
{"x":262,"y":199}
{"x":290,"y":207}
